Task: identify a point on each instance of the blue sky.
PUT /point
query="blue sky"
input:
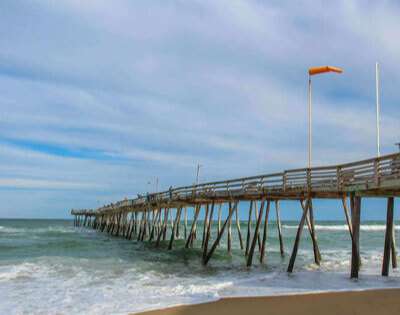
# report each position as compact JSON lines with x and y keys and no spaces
{"x":98,"y":98}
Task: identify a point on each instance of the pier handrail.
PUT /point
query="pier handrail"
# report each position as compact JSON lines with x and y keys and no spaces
{"x":368,"y":173}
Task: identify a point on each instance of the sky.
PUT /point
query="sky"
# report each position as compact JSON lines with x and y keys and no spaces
{"x":100,"y":98}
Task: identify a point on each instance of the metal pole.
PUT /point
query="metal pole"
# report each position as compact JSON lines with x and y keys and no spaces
{"x":377,"y":109}
{"x":309,"y":123}
{"x":197,"y":175}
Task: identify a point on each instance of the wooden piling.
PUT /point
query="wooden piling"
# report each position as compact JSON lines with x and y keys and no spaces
{"x":298,"y":236}
{"x":265,"y":233}
{"x":208,"y":232}
{"x":238,"y":228}
{"x":256,"y":234}
{"x":216,"y":242}
{"x":174,"y":227}
{"x":249,"y":228}
{"x":279,"y":227}
{"x":388,"y":237}
{"x":355,"y":248}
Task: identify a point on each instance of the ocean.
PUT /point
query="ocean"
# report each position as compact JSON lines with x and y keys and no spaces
{"x":52,"y":267}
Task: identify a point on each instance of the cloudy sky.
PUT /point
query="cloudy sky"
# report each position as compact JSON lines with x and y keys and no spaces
{"x":99,"y":98}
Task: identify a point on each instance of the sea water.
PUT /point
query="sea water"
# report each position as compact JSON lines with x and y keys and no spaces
{"x":52,"y":267}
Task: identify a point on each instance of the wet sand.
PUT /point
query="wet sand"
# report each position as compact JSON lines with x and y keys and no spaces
{"x":370,"y":302}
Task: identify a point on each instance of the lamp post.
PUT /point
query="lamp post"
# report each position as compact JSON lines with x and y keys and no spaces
{"x":313,"y":71}
{"x":197,"y":173}
{"x":378,"y":144}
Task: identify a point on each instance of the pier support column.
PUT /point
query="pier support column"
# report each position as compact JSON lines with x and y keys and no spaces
{"x":311,"y":229}
{"x":249,"y":228}
{"x":388,"y":237}
{"x":265,"y":233}
{"x":208,"y":232}
{"x":355,"y":248}
{"x":279,"y":227}
{"x":298,"y":236}
{"x":216,"y":242}
{"x":174,"y":227}
{"x":238,"y":228}
{"x":256,"y":233}
{"x":190,"y":238}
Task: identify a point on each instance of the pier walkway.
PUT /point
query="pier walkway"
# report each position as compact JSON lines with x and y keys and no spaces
{"x":157,"y":217}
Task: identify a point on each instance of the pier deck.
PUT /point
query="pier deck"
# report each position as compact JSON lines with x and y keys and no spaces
{"x":147,"y":217}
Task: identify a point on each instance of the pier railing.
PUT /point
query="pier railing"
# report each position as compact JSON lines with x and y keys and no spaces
{"x":375,"y":173}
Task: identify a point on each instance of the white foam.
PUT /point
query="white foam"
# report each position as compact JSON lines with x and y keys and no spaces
{"x":344,"y":227}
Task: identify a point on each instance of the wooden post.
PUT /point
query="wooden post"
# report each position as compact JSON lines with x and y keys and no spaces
{"x":298,"y":236}
{"x":394,"y":254}
{"x":185,"y":219}
{"x":249,"y":228}
{"x":155,"y":219}
{"x":238,"y":229}
{"x":205,"y":223}
{"x":175,"y":226}
{"x":208,"y":233}
{"x":264,"y":240}
{"x":219,"y":218}
{"x":355,"y":248}
{"x":256,"y":234}
{"x":208,"y":256}
{"x":256,"y":218}
{"x":388,"y":237}
{"x":191,"y":233}
{"x":279,"y":226}
{"x":230,"y":231}
{"x":311,"y":228}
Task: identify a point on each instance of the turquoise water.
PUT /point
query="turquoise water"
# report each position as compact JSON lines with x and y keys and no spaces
{"x":49,"y":266}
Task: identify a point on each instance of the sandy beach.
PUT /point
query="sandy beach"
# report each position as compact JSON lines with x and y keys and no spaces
{"x":383,"y":302}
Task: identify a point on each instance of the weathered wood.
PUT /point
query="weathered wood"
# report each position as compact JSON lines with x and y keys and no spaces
{"x":191,"y":233}
{"x":298,"y":236}
{"x":393,"y":247}
{"x":256,"y":234}
{"x":237,"y":219}
{"x":229,"y":239}
{"x":205,"y":223}
{"x":216,"y":242}
{"x":388,"y":237}
{"x":256,"y":219}
{"x":311,"y":229}
{"x":208,"y":232}
{"x":265,"y":233}
{"x":279,"y":227}
{"x":185,"y":222}
{"x":249,"y":228}
{"x":355,"y":248}
{"x":175,"y":226}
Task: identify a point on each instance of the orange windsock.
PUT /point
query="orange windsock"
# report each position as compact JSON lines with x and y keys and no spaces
{"x":323,"y":69}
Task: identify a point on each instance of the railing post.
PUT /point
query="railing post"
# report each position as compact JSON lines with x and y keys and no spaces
{"x":338,"y":178}
{"x":284,"y":180}
{"x":309,"y":179}
{"x":376,"y":172}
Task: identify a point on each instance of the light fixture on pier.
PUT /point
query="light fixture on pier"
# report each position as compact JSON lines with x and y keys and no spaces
{"x":313,"y":71}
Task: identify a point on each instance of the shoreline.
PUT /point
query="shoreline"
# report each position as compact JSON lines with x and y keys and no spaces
{"x":363,"y":302}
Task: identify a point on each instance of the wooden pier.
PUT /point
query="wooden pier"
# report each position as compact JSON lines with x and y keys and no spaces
{"x":163,"y":216}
